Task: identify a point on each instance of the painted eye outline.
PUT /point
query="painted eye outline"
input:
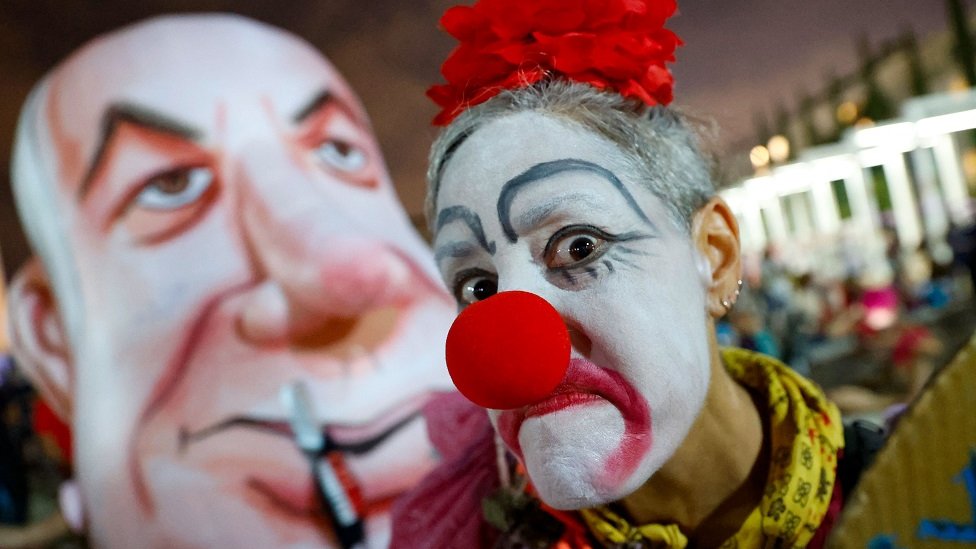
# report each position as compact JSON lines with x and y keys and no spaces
{"x":328,"y":153}
{"x":462,"y":283}
{"x":566,"y":234}
{"x":334,"y":140}
{"x":202,"y":181}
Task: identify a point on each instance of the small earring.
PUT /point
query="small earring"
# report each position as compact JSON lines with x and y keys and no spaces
{"x":738,"y":288}
{"x":727,"y":305}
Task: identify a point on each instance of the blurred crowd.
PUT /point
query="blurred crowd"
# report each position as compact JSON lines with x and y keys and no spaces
{"x":35,"y":463}
{"x":872,"y":336}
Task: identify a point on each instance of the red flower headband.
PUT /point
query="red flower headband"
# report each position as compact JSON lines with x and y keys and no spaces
{"x":620,"y":45}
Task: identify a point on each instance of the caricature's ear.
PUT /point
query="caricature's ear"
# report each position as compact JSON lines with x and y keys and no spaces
{"x":37,"y":337}
{"x":716,"y":235}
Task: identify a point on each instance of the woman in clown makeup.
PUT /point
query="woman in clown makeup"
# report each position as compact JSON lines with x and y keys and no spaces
{"x":576,"y":222}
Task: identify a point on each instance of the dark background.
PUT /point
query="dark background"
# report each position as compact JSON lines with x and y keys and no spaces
{"x":740,"y":57}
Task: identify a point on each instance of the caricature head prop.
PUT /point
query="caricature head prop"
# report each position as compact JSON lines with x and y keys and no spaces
{"x":213,"y":222}
{"x":561,"y":174}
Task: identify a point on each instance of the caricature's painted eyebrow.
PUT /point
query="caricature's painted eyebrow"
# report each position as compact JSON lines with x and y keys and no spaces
{"x":323,"y":99}
{"x":130,"y":113}
{"x":549,"y":169}
{"x":469,"y":218}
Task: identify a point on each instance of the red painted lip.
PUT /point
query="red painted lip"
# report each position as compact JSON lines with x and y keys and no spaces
{"x":585,"y":384}
{"x":563,"y":397}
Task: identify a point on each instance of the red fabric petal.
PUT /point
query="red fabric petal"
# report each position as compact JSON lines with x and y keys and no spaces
{"x":558,"y":16}
{"x":602,"y":13}
{"x":636,"y":91}
{"x":443,"y":94}
{"x":658,"y":12}
{"x":570,"y":53}
{"x":463,"y":23}
{"x":467,"y":67}
{"x":516,"y":53}
{"x":659,"y":81}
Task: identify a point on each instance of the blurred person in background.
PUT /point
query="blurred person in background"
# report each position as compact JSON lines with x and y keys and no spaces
{"x":747,"y":322}
{"x":14,"y":430}
{"x":805,"y":314}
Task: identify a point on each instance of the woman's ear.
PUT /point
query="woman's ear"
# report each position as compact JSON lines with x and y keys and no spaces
{"x":37,"y":338}
{"x":715,"y":233}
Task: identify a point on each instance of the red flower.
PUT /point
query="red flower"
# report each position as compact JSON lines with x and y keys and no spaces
{"x":620,"y":45}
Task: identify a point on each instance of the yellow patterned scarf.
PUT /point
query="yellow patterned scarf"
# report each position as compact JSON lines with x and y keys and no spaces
{"x":805,"y":432}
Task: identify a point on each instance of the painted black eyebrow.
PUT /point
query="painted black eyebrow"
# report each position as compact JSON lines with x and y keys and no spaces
{"x":469,"y":218}
{"x":130,"y":113}
{"x":549,"y":169}
{"x":321,"y":100}
{"x":449,"y":151}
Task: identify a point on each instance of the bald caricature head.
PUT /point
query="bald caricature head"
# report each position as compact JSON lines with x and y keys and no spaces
{"x":212,"y":222}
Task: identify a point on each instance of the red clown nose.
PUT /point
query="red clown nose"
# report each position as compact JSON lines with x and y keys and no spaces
{"x":508,"y":351}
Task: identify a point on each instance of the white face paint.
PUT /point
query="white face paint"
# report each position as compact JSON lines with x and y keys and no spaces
{"x":532,"y":203}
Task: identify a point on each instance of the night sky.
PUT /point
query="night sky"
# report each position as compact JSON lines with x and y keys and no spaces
{"x":741,"y":56}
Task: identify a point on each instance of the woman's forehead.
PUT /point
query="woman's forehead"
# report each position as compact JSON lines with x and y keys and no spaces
{"x":502,"y":149}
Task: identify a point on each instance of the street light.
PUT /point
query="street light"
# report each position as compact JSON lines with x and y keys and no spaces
{"x":847,"y":113}
{"x":759,"y":156}
{"x":779,"y":148}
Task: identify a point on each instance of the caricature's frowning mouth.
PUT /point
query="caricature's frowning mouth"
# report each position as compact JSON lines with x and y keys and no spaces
{"x":336,"y":435}
{"x":295,"y":494}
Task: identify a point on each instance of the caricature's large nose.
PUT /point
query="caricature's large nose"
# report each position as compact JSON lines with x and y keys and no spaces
{"x":322,"y":279}
{"x":508,"y":351}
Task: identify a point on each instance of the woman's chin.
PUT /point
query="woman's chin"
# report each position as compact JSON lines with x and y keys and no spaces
{"x":566,"y":456}
{"x":570,"y":488}
{"x":567,"y":497}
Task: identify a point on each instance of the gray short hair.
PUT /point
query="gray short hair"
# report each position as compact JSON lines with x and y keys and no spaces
{"x":661,"y":143}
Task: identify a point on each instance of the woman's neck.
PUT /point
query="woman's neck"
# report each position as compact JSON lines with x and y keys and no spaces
{"x":717,"y":475}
